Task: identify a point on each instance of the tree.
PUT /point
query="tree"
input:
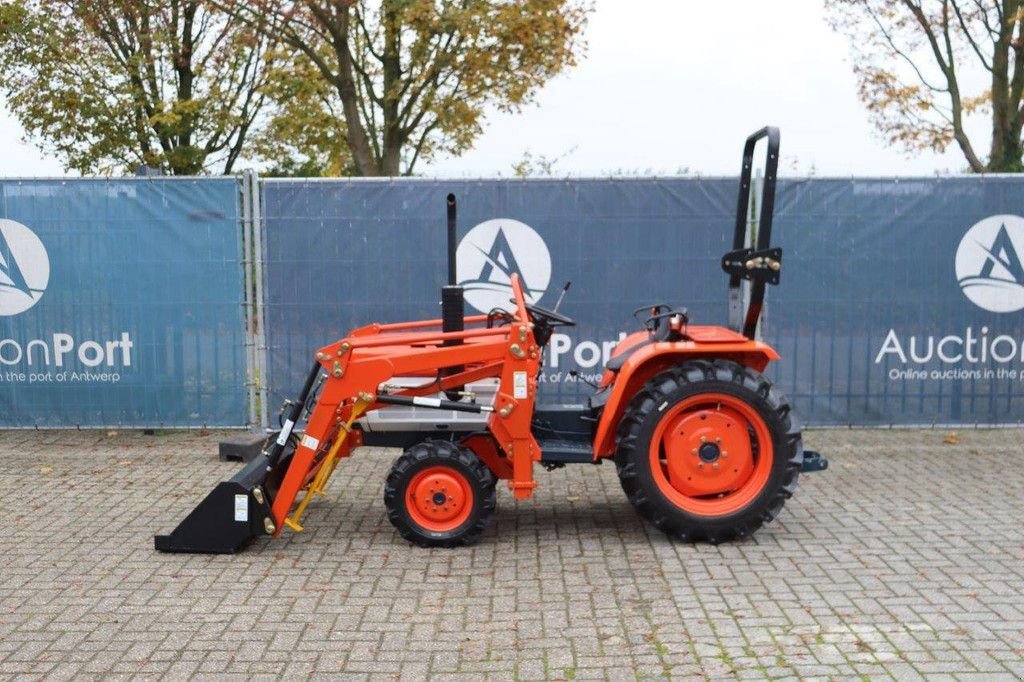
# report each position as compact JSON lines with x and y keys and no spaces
{"x":110,"y":84}
{"x":925,"y":66}
{"x":305,"y":133}
{"x":410,"y":79}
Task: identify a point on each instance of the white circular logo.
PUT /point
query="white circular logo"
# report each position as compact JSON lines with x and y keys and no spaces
{"x":988,"y":263}
{"x":24,"y":268}
{"x":489,"y":254}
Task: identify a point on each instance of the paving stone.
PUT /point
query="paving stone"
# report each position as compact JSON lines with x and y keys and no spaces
{"x":904,"y":560}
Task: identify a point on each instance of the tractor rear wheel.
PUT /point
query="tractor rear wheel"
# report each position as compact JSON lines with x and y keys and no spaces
{"x":440,"y":495}
{"x":708,"y":451}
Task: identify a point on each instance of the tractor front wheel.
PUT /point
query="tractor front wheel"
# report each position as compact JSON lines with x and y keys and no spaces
{"x":440,"y":495}
{"x":708,"y":451}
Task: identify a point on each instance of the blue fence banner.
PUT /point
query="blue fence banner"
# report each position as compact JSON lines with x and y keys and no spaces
{"x":121,"y":303}
{"x":344,"y":253}
{"x":901,"y":299}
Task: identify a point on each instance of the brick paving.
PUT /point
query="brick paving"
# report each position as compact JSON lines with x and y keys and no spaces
{"x":905,"y":559}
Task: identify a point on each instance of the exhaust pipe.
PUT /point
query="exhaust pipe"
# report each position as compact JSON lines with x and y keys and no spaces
{"x":452,"y":298}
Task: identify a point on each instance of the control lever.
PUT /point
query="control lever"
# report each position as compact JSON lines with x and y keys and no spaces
{"x":562,"y":295}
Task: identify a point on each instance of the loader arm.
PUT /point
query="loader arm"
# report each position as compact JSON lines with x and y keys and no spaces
{"x":358,"y":369}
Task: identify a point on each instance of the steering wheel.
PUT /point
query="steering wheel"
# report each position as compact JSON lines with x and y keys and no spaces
{"x":552,"y":318}
{"x":522,"y":307}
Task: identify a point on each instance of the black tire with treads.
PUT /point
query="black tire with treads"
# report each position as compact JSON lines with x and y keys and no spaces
{"x":432,"y":453}
{"x":640,"y":420}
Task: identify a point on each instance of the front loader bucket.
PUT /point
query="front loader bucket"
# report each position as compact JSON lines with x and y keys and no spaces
{"x":228,"y":519}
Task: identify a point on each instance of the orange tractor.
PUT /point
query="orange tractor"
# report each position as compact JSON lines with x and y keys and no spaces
{"x":705,"y":448}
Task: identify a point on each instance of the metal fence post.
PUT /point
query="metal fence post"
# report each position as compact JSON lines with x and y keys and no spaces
{"x":259,"y":250}
{"x":247,"y":298}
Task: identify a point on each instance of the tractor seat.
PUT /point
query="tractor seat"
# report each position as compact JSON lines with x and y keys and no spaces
{"x":659,"y":329}
{"x":616,"y":363}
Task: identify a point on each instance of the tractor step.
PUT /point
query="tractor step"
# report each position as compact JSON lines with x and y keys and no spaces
{"x":565,"y":451}
{"x":813,"y":461}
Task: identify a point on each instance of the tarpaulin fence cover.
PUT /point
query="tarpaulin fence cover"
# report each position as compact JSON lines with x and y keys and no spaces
{"x":900,"y":299}
{"x":121,"y":303}
{"x":341,"y":254}
{"x":121,"y":300}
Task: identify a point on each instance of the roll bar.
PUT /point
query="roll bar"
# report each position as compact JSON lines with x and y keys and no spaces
{"x":760,"y":264}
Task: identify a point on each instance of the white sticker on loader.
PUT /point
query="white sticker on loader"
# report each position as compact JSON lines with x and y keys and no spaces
{"x":519,"y":385}
{"x":310,"y":442}
{"x":241,"y":507}
{"x":286,"y":431}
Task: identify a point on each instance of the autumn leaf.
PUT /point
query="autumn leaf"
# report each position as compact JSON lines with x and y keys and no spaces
{"x":910,"y":61}
{"x":378,"y":87}
{"x":109,"y":85}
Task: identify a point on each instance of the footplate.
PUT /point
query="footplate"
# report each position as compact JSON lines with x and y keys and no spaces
{"x":813,"y":461}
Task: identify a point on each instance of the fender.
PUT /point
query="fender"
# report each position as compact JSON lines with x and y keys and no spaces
{"x":652,"y":358}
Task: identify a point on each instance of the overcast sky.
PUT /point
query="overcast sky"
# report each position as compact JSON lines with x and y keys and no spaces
{"x":669,"y":84}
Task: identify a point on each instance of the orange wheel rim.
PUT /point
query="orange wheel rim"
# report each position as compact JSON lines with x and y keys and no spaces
{"x":711,"y":454}
{"x":439,"y":499}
